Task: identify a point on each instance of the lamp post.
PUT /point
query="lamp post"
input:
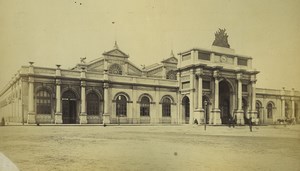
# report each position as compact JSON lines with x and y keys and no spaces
{"x":205,"y":104}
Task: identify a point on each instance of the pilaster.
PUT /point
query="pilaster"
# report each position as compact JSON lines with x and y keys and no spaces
{"x":293,"y":103}
{"x":83,"y":115}
{"x":31,"y":118}
{"x":58,"y":113}
{"x":199,"y":114}
{"x":216,"y":111}
{"x":253,"y":112}
{"x":106,"y":115}
{"x":239,"y":113}
{"x":192,"y":78}
{"x":282,"y":103}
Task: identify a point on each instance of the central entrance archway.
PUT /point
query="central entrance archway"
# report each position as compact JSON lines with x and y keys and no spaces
{"x":224,"y":101}
{"x":69,"y":107}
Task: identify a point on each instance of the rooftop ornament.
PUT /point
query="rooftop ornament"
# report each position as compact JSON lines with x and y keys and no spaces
{"x":82,"y":60}
{"x":31,"y":63}
{"x":221,"y":39}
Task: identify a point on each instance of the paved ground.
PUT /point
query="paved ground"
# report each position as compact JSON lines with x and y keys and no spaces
{"x":151,"y":147}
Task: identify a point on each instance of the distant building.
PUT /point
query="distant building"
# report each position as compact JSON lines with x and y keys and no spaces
{"x":212,"y":85}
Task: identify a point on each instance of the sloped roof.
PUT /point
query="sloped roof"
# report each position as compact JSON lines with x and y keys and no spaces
{"x":116,"y":52}
{"x":171,"y":60}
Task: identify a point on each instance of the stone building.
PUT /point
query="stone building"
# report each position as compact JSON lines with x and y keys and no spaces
{"x":204,"y":85}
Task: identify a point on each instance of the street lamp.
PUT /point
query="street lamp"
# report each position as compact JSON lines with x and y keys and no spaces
{"x":205,"y":104}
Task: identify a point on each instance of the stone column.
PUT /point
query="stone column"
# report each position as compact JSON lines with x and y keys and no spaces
{"x":135,"y":111}
{"x":253,"y":112}
{"x":293,"y":103}
{"x":83,"y":115}
{"x":192,"y":77}
{"x":179,"y":102}
{"x":216,"y":110}
{"x":31,"y":112}
{"x":199,"y":91}
{"x":239,"y":113}
{"x":58,"y":113}
{"x":106,"y":115}
{"x":199,"y":114}
{"x":282,"y":103}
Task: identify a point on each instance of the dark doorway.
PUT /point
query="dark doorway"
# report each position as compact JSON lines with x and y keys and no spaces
{"x":186,"y":108}
{"x":69,"y":108}
{"x":205,"y":104}
{"x":224,"y":101}
{"x":245,"y":108}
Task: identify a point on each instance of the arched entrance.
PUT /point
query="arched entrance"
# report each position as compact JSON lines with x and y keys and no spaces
{"x":245,"y":109}
{"x":224,"y":101}
{"x":121,"y":109}
{"x":258,"y":106}
{"x":186,"y":109}
{"x":69,"y":107}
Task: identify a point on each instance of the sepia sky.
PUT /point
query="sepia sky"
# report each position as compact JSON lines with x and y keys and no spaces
{"x":51,"y":32}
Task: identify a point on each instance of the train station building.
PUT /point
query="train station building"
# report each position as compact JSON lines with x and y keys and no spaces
{"x":195,"y":86}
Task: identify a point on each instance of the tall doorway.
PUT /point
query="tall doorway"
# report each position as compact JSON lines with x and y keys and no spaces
{"x":69,"y":107}
{"x":224,"y":101}
{"x":186,"y":109}
{"x":206,"y":107}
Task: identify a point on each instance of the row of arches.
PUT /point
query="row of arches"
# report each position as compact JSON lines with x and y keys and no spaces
{"x":95,"y":106}
{"x":270,"y":109}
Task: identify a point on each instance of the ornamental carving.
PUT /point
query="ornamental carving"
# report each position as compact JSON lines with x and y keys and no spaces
{"x":115,"y":69}
{"x":221,"y":39}
{"x":171,"y":75}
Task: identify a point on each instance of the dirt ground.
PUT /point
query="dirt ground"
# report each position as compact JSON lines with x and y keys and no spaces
{"x":187,"y":147}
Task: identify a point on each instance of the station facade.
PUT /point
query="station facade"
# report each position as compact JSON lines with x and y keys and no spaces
{"x":199,"y":86}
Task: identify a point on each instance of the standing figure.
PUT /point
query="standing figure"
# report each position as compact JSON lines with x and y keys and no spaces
{"x":250,"y":124}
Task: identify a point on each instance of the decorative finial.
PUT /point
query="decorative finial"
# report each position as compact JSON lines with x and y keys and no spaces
{"x":31,"y":63}
{"x":221,"y":38}
{"x":82,"y":60}
{"x":172,"y":53}
{"x":58,"y":65}
{"x":116,"y":45}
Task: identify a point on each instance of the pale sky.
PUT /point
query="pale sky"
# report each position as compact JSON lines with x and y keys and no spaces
{"x":51,"y":32}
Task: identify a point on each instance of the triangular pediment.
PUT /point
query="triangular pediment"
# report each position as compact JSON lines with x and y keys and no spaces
{"x":171,"y":60}
{"x":116,"y":53}
{"x":96,"y":65}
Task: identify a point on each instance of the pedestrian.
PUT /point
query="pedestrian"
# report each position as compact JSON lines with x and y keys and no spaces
{"x":229,"y":122}
{"x":250,"y":124}
{"x":233,"y":122}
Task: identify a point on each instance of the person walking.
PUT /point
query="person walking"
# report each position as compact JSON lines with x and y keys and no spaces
{"x":229,"y":122}
{"x":250,"y":124}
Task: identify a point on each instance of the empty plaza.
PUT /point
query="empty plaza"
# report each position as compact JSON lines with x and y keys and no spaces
{"x":71,"y":147}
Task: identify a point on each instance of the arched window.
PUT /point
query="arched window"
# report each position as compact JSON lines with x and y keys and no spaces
{"x":270,"y":110}
{"x":186,"y":106}
{"x":171,"y":75}
{"x":121,"y":108}
{"x":166,"y":107}
{"x":115,"y":69}
{"x":145,"y":106}
{"x":43,"y":102}
{"x":92,"y":104}
{"x":258,"y":106}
